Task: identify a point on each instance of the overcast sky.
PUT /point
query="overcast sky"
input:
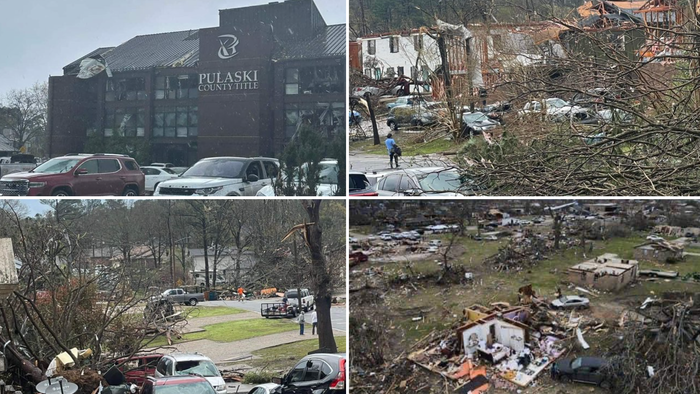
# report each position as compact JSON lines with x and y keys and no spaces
{"x":38,"y":37}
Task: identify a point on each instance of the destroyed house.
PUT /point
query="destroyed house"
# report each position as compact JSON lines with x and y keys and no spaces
{"x":607,"y":272}
{"x":491,"y":332}
{"x":659,"y":251}
{"x":242,"y":88}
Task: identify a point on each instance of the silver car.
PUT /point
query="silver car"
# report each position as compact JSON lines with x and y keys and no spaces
{"x":441,"y":181}
{"x":570,"y":301}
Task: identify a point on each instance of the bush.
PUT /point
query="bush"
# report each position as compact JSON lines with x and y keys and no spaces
{"x":258,"y":377}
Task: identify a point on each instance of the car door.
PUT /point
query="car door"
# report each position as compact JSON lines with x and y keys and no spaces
{"x":406,"y":184}
{"x":252,"y":187}
{"x":88,"y":183}
{"x":389,"y":185}
{"x":271,"y":172}
{"x":111,"y":181}
{"x":152,"y":177}
{"x":582,"y":374}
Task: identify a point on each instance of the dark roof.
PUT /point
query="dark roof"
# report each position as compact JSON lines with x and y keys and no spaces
{"x":175,"y":49}
{"x":330,"y":42}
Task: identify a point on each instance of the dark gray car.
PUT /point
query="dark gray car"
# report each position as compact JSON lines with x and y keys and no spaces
{"x":320,"y":373}
{"x":591,"y":370}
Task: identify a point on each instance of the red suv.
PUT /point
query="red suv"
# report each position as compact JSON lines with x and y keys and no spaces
{"x":183,"y":384}
{"x":90,"y":174}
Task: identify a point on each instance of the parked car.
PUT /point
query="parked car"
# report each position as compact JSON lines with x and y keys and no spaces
{"x":423,"y":182}
{"x":78,"y":175}
{"x":435,"y":242}
{"x":555,"y":109}
{"x":404,"y":101}
{"x":182,"y":297}
{"x":360,"y":185}
{"x":386,"y":237}
{"x":155,"y":175}
{"x":433,"y":249}
{"x":570,"y":301}
{"x":327,"y":182}
{"x":418,"y":115}
{"x":319,"y":373}
{"x":17,"y":163}
{"x":307,"y":299}
{"x":361,"y":90}
{"x":475,"y":123}
{"x":190,"y":384}
{"x":177,"y":364}
{"x":591,"y":370}
{"x":352,"y":240}
{"x":138,"y":368}
{"x":655,"y":238}
{"x":163,"y":165}
{"x":265,"y":388}
{"x":491,"y":238}
{"x":222,"y":176}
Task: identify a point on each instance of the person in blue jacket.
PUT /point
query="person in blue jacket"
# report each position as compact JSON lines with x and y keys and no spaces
{"x":391,"y":147}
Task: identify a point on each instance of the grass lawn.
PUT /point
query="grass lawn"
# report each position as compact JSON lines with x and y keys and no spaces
{"x":408,"y":148}
{"x":209,"y":311}
{"x":283,"y":357}
{"x":234,"y":331}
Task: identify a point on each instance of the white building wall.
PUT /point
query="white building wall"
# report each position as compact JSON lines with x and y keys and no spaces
{"x":405,"y":57}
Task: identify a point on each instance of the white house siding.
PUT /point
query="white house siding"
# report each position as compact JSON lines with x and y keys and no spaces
{"x":405,"y":57}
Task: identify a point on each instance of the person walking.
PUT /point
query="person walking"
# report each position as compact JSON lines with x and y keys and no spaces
{"x":391,"y":147}
{"x":314,"y":322}
{"x":301,"y":321}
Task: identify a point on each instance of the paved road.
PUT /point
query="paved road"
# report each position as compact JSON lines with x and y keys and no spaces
{"x":338,"y":317}
{"x":380,"y":163}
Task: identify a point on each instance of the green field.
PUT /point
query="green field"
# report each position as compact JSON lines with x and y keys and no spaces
{"x":209,"y":311}
{"x":283,"y":357}
{"x":234,"y":331}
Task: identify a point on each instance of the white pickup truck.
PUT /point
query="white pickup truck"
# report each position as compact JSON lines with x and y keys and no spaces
{"x":307,"y":299}
{"x":16,"y":163}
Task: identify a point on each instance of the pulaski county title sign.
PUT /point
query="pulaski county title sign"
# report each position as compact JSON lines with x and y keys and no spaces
{"x":221,"y":81}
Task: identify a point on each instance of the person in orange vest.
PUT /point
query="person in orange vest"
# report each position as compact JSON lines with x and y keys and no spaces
{"x":240,"y":294}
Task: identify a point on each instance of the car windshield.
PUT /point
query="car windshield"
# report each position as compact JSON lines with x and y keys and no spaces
{"x":185,"y":388}
{"x":199,"y":367}
{"x":56,"y":166}
{"x":474,"y":117}
{"x":328,"y":172}
{"x":218,"y":168}
{"x":556,"y":103}
{"x":440,"y":181}
{"x":576,"y":363}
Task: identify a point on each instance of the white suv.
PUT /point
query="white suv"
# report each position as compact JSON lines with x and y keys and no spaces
{"x":222,"y":176}
{"x":179,"y":364}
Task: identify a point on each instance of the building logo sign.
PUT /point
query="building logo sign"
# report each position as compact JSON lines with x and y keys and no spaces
{"x":228,"y":44}
{"x":221,"y":81}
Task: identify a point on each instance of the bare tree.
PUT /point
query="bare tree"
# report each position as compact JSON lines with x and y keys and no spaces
{"x":24,"y":114}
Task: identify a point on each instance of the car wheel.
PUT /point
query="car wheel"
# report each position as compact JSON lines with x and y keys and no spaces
{"x":130,"y":191}
{"x":61,"y":193}
{"x":605,"y":384}
{"x":193,"y":302}
{"x":564,"y":379}
{"x":393,"y":126}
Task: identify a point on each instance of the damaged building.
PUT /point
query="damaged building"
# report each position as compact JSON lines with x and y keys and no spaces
{"x":659,"y":251}
{"x":607,"y":272}
{"x":242,"y":88}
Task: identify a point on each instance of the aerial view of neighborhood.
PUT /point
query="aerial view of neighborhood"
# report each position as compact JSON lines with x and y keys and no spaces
{"x":172,"y":296}
{"x":525,"y":296}
{"x":523,"y":98}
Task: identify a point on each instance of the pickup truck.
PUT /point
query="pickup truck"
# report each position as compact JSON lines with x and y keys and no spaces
{"x":182,"y":297}
{"x":278,"y":309}
{"x":307,"y":300}
{"x":16,"y":163}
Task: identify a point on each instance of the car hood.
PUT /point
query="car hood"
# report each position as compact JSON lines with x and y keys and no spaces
{"x":199,"y":183}
{"x":27,"y":175}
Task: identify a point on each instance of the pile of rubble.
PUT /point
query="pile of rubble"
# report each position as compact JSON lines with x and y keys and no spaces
{"x":516,"y":256}
{"x":659,"y":351}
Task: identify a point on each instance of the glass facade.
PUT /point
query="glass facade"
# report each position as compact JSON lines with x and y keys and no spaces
{"x":177,"y":87}
{"x":125,"y":89}
{"x":180,"y":121}
{"x":128,"y":122}
{"x":314,"y":80}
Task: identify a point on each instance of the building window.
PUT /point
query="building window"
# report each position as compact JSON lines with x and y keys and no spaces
{"x":291,"y":81}
{"x":177,"y":87}
{"x":372,"y":47}
{"x":418,"y":42}
{"x":125,"y":89}
{"x":316,"y":115}
{"x":180,"y":121}
{"x":393,"y":44}
{"x":315,"y":80}
{"x":399,"y":71}
{"x":126,"y":122}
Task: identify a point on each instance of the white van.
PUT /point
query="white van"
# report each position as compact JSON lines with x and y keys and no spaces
{"x":200,"y":279}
